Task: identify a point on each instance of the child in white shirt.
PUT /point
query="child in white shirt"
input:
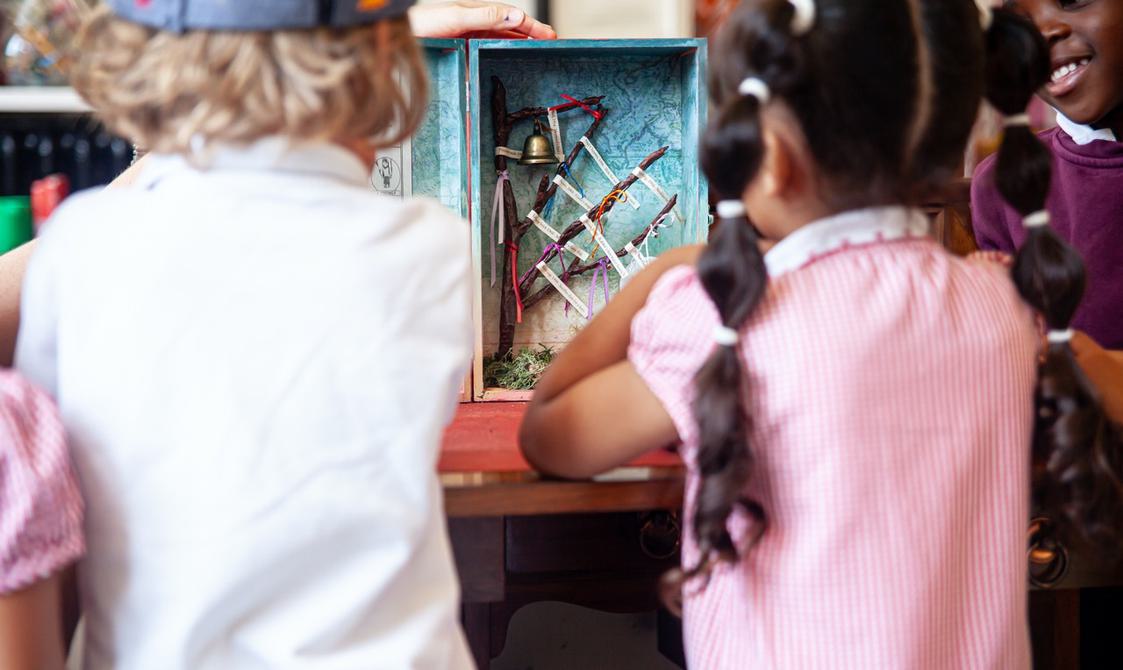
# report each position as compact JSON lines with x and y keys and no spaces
{"x":254,"y":352}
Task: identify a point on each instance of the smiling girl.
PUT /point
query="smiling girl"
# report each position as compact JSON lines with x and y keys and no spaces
{"x":1085,"y":39}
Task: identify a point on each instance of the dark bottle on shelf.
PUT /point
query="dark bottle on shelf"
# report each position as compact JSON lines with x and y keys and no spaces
{"x":103,"y":158}
{"x":9,"y":165}
{"x":65,"y":154}
{"x":29,"y":163}
{"x":122,"y":155}
{"x":83,"y":176}
{"x":48,"y":162}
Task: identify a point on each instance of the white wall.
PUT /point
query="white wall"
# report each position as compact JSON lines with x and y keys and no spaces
{"x":623,"y":18}
{"x":615,"y":18}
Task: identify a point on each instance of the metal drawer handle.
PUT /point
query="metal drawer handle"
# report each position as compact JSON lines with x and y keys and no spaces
{"x":1048,"y":559}
{"x":660,"y":536}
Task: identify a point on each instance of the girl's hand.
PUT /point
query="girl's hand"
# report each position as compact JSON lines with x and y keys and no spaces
{"x":472,"y":18}
{"x":1105,"y":370}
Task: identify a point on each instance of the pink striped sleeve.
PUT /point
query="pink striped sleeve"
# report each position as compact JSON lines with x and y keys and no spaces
{"x":40,"y":504}
{"x":665,"y":348}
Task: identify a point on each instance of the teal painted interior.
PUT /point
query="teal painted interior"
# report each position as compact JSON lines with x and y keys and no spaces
{"x":440,"y":153}
{"x":655,"y":97}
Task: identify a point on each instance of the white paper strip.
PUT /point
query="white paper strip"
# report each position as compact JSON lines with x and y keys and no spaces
{"x":605,"y":246}
{"x":636,"y":255}
{"x":555,"y":130}
{"x":577,"y":251}
{"x":540,"y":223}
{"x":572,"y":192}
{"x":655,"y":188}
{"x":508,"y":153}
{"x":552,"y":233}
{"x":566,"y":292}
{"x":608,"y":173}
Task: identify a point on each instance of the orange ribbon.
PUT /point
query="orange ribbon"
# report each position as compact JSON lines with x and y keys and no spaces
{"x":617,"y":195}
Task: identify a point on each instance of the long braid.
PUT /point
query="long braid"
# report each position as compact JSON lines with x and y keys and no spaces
{"x":1077,"y":455}
{"x":768,"y":51}
{"x":733,"y":273}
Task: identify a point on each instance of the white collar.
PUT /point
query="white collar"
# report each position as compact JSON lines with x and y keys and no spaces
{"x":270,"y":154}
{"x":1083,"y":135}
{"x":853,"y":228}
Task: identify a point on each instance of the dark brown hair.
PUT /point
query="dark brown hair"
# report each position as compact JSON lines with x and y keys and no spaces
{"x":1076,"y":449}
{"x":886,"y":93}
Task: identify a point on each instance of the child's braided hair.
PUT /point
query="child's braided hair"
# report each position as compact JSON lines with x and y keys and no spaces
{"x":886,"y":94}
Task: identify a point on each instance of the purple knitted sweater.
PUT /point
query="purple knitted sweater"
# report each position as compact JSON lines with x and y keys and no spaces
{"x":1086,"y":202}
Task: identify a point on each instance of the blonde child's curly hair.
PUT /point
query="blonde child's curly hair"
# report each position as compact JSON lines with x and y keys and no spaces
{"x":168,"y":92}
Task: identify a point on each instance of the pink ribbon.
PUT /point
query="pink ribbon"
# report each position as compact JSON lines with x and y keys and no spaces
{"x":498,"y":218}
{"x":601,"y":271}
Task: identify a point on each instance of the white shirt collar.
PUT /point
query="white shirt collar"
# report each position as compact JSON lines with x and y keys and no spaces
{"x":1083,"y":135}
{"x":270,"y":154}
{"x":853,"y":228}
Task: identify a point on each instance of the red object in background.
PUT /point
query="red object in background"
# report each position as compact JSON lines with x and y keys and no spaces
{"x":710,"y":14}
{"x":46,"y":195}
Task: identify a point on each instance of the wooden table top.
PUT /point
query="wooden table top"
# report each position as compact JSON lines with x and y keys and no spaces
{"x":484,"y":474}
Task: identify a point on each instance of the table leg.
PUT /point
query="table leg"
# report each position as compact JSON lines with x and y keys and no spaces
{"x":1055,"y":628}
{"x":476,"y":618}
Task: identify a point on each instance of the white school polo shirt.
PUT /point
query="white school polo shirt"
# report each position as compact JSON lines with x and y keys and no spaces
{"x":255,"y":363}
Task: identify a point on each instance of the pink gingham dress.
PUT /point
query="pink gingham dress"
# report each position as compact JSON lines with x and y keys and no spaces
{"x":40,"y":506}
{"x":891,"y":393}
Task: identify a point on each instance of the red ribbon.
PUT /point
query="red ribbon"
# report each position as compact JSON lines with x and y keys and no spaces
{"x":515,"y":281}
{"x":597,"y":114}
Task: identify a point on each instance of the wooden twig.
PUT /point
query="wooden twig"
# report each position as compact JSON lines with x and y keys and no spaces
{"x":535,"y":112}
{"x":578,"y":227}
{"x":551,"y":189}
{"x":623,"y":251}
{"x":575,"y":270}
{"x":514,"y":228}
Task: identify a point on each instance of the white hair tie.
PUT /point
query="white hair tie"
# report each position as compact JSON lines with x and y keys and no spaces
{"x":1060,"y":336}
{"x":804,"y":19}
{"x":755,"y":87}
{"x":986,"y":14}
{"x":726,"y":337}
{"x":731,"y":209}
{"x":1038,"y":219}
{"x":1016,"y":120}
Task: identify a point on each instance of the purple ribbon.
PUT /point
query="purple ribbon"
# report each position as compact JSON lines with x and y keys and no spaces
{"x":550,"y":248}
{"x":602,"y":271}
{"x":498,"y":217}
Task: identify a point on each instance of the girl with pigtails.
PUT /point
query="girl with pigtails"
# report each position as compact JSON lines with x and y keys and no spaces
{"x":864,"y":417}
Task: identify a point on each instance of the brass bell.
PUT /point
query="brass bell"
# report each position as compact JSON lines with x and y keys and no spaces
{"x":538,"y":149}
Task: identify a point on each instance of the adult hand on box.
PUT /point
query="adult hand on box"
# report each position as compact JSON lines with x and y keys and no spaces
{"x":470,"y":18}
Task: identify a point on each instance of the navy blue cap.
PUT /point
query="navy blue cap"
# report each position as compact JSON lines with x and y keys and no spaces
{"x":256,"y":15}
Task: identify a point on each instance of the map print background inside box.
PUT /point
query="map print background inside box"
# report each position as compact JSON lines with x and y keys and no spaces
{"x":434,"y":163}
{"x":654,"y":97}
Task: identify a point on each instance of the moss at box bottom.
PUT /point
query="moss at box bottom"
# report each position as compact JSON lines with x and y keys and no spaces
{"x":520,"y":372}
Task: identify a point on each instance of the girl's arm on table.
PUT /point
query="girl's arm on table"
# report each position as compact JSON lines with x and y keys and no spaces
{"x":592,"y":411}
{"x":1105,"y":369}
{"x":31,"y":627}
